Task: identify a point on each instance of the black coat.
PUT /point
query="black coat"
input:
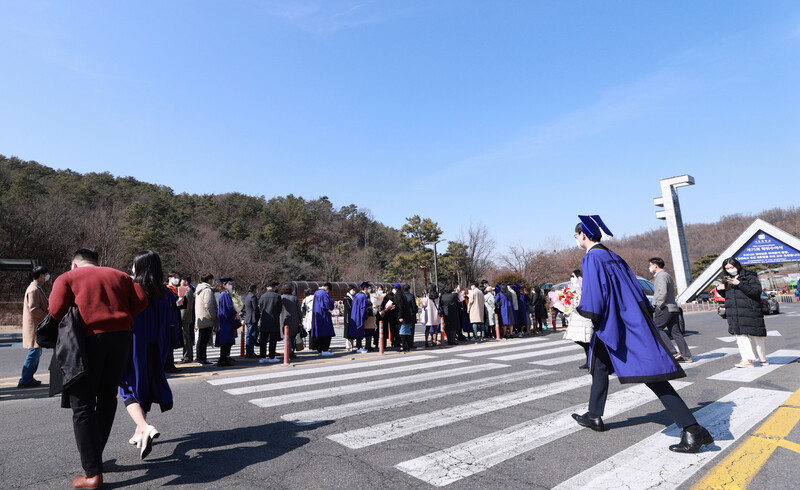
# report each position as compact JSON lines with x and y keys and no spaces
{"x":270,"y":305}
{"x":451,"y":308}
{"x":251,"y":311}
{"x":743,"y":306}
{"x":348,"y":307}
{"x":69,"y":362}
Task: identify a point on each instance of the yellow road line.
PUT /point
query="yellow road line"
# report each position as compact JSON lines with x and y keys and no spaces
{"x":739,"y":468}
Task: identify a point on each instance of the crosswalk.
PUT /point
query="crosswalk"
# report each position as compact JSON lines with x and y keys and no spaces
{"x":418,"y":394}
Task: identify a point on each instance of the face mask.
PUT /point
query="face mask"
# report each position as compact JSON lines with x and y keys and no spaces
{"x":133,"y":271}
{"x":578,"y":242}
{"x":573,"y":280}
{"x":732,"y":272}
{"x":229,"y":287}
{"x":394,"y":291}
{"x":47,"y":277}
{"x":175,"y":281}
{"x":652,"y":270}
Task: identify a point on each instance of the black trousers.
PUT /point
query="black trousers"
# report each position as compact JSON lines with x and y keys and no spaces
{"x":225,"y":351}
{"x":264,"y":339}
{"x":407,"y":342}
{"x":93,"y":397}
{"x":666,"y":394}
{"x":203,"y":337}
{"x":188,"y":340}
{"x":323,"y":344}
{"x":665,"y":319}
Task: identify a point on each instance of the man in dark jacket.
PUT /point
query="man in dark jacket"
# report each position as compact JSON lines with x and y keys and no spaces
{"x":411,"y":319}
{"x":270,"y":323}
{"x":251,"y":316}
{"x":451,"y":307}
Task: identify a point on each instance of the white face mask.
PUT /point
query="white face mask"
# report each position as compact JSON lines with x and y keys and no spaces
{"x":652,"y":270}
{"x":394,"y":290}
{"x":47,"y":277}
{"x":578,"y":242}
{"x":573,"y":280}
{"x":175,"y":281}
{"x":732,"y":272}
{"x":133,"y":270}
{"x":229,"y":287}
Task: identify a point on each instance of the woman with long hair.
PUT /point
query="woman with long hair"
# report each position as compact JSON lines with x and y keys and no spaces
{"x":742,"y":292}
{"x":144,"y":381}
{"x":432,"y":315}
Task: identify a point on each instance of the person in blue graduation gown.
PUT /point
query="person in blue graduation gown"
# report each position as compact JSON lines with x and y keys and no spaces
{"x":504,"y":309}
{"x":228,"y":321}
{"x":625,"y":339}
{"x":361,"y":309}
{"x":144,"y":380}
{"x":321,"y":321}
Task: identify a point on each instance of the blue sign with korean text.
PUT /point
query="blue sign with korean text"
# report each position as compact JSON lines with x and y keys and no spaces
{"x":764,"y":249}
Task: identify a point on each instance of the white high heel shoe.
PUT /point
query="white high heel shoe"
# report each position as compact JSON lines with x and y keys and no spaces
{"x":135,"y":440}
{"x":146,"y":444}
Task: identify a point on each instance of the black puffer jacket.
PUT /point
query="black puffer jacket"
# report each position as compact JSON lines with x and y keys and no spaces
{"x":743,"y":306}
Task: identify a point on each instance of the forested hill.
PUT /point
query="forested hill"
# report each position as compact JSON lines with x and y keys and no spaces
{"x":46,"y":214}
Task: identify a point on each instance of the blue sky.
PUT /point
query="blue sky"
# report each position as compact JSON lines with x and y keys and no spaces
{"x":516,"y":115}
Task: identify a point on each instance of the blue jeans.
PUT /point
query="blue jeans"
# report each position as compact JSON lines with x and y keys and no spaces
{"x":250,"y":339}
{"x":478,"y":327}
{"x":31,"y":365}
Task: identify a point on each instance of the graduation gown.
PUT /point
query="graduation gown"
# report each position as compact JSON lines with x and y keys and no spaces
{"x":504,"y":308}
{"x":362,"y":306}
{"x":613,"y":299}
{"x":144,"y":378}
{"x":227,"y":319}
{"x":321,"y":322}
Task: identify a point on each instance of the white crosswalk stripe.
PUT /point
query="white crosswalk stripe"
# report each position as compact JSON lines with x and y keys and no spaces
{"x":342,"y":377}
{"x":646,"y":465}
{"x":776,"y":360}
{"x":455,"y":463}
{"x":335,"y":412}
{"x":367,"y":436}
{"x":515,"y":347}
{"x":372,"y":385}
{"x":538,"y":353}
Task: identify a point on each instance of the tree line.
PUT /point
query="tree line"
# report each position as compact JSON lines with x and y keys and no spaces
{"x":45,"y":214}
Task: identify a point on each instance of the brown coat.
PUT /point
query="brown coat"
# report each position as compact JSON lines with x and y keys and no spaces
{"x":475,"y":305}
{"x":34,"y":309}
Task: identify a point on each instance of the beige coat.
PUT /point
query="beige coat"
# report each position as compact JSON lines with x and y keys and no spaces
{"x":476,"y":305}
{"x":205,"y":307}
{"x":34,"y":309}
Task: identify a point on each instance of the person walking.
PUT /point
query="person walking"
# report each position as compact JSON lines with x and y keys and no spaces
{"x":252,"y":313}
{"x":322,"y":323}
{"x":626,"y":340}
{"x":667,"y":311}
{"x":579,"y":328}
{"x":742,"y":292}
{"x":271,"y":306}
{"x":476,"y":305}
{"x":107,"y":301}
{"x":186,"y":309}
{"x":34,"y":310}
{"x":206,"y":312}
{"x":144,"y":380}
{"x":228,"y":319}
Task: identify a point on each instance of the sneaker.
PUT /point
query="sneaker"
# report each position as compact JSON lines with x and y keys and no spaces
{"x":263,"y":360}
{"x":205,"y":363}
{"x":744,"y":364}
{"x":273,"y":360}
{"x":362,"y":351}
{"x":765,"y":363}
{"x":327,"y":353}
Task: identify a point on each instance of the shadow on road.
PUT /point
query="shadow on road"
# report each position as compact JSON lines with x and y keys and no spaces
{"x":207,"y":457}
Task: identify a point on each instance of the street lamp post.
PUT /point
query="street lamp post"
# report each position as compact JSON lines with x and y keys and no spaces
{"x":435,"y":263}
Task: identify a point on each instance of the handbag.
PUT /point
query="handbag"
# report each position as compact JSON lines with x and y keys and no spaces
{"x":298,"y":343}
{"x":47,"y":332}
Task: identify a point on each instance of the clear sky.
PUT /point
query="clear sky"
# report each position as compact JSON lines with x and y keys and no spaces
{"x":517,"y":115}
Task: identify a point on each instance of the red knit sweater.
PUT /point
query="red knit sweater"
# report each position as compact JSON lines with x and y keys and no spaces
{"x":107,"y":299}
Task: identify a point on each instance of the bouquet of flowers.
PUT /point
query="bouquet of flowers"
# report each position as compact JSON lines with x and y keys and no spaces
{"x":571,"y":298}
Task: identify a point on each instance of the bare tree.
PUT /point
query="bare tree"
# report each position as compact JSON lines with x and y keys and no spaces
{"x":480,"y":246}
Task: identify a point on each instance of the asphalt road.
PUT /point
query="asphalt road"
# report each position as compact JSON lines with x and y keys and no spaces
{"x":494,"y":415}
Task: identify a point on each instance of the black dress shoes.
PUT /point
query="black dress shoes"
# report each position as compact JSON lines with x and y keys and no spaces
{"x":692,"y":440}
{"x":594,"y":422}
{"x":584,"y":366}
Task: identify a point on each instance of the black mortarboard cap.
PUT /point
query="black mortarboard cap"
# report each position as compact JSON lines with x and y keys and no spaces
{"x":225,"y":279}
{"x":593,"y":227}
{"x":363,"y":285}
